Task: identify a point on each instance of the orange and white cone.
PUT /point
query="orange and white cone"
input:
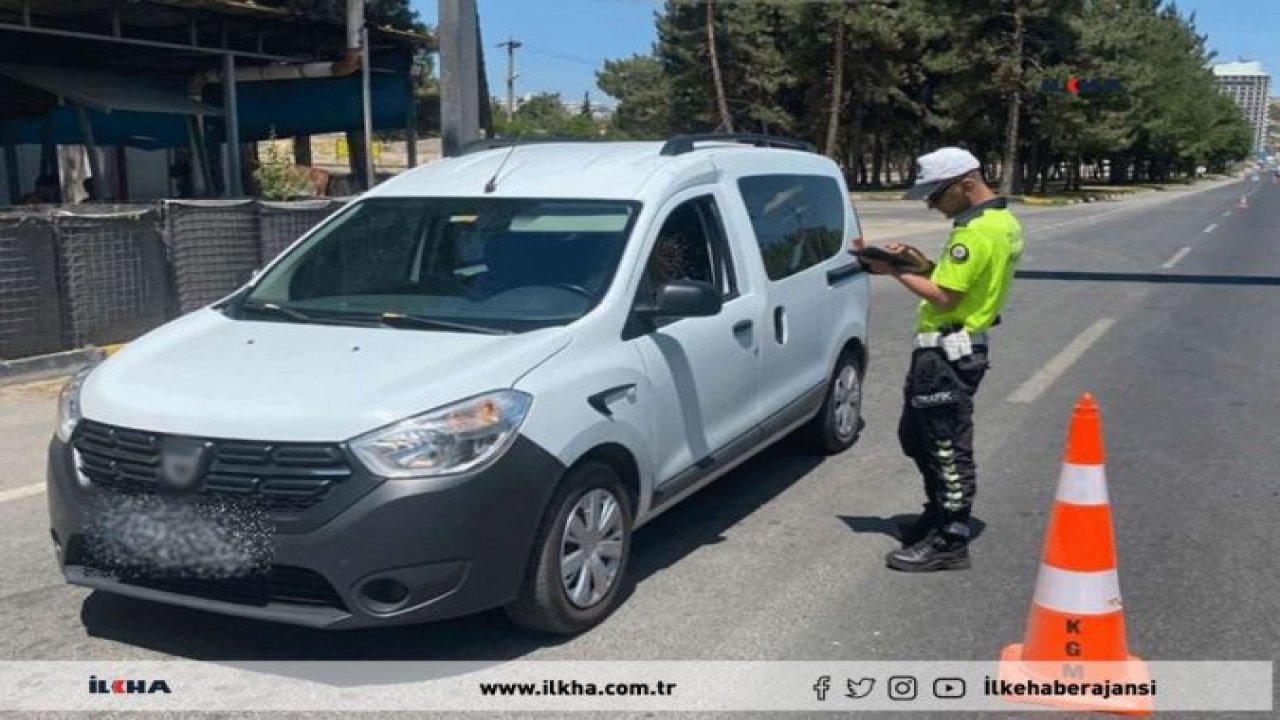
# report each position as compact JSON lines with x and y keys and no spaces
{"x":1075,"y":629}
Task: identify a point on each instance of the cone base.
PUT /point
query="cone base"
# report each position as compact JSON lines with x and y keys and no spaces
{"x":1013,"y":669}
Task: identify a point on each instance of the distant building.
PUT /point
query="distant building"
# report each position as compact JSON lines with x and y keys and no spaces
{"x":1249,"y":85}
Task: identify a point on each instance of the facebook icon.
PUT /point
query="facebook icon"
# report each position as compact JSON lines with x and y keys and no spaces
{"x":822,"y":687}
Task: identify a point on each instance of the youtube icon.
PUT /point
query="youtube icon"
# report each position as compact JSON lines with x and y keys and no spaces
{"x":948,"y":688}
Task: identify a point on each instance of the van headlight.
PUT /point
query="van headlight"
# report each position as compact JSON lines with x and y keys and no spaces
{"x":69,"y":404}
{"x":450,"y":440}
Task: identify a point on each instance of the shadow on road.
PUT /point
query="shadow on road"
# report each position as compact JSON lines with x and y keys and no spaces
{"x":892,"y":526}
{"x":700,"y":520}
{"x":1156,"y":278}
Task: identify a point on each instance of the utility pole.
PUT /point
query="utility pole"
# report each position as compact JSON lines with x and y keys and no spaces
{"x":459,"y":74}
{"x":511,"y":45}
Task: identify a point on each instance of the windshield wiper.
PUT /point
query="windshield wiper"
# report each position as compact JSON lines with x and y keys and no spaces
{"x":298,"y":315}
{"x":273,"y":309}
{"x":399,"y":320}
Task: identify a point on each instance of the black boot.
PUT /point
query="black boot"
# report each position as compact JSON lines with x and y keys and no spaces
{"x":935,"y":551}
{"x":910,"y":533}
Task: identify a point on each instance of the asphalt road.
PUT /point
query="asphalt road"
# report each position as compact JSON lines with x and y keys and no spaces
{"x":783,"y":559}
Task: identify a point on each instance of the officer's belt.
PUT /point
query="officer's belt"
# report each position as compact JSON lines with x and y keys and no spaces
{"x":934,"y":339}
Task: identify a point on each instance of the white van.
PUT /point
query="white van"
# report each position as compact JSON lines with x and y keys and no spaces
{"x":470,"y":386}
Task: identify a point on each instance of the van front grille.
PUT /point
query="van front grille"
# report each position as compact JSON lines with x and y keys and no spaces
{"x":276,"y":477}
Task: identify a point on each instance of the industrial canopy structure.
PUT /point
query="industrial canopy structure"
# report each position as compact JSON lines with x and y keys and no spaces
{"x":201,"y":75}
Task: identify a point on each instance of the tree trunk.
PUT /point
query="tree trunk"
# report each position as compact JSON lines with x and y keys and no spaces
{"x":837,"y":88}
{"x":1008,"y":180}
{"x":722,"y":103}
{"x":355,"y":158}
{"x":302,"y":150}
{"x":1033,"y":163}
{"x":877,"y":160}
{"x":855,"y":144}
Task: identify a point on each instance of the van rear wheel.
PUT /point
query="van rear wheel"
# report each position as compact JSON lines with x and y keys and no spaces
{"x":836,"y":426}
{"x":575,"y":579}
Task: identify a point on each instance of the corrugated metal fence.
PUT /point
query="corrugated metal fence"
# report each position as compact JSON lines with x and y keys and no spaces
{"x":106,"y":274}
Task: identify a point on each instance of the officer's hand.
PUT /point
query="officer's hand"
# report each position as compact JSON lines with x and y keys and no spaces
{"x":909,"y":259}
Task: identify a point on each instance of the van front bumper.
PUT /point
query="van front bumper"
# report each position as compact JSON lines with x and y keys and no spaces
{"x":432,"y":548}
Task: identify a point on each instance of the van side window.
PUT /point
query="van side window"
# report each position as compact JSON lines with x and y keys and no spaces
{"x":798,"y":220}
{"x":690,"y":246}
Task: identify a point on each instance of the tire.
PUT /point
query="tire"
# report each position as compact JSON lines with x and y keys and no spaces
{"x":551,"y":604}
{"x":836,"y":426}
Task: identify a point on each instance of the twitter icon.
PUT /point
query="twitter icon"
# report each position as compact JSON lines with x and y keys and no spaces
{"x":860,"y":688}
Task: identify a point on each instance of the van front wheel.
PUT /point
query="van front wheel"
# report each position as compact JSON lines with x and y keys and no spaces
{"x":575,"y":579}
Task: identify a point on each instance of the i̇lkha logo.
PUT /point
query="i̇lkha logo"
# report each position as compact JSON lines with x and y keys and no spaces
{"x":124,"y":686}
{"x":1076,"y":86}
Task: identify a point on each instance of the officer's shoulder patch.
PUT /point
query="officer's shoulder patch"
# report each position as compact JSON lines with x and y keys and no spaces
{"x":959,"y":252}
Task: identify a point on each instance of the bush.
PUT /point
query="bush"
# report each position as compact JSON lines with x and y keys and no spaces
{"x":277,"y":177}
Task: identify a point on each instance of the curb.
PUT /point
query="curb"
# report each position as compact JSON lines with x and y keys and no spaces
{"x":44,"y":367}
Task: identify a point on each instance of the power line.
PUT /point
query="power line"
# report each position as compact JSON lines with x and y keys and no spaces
{"x":562,"y":56}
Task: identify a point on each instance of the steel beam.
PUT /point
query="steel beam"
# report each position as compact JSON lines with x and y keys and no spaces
{"x":146,"y":43}
{"x":232,"y":185}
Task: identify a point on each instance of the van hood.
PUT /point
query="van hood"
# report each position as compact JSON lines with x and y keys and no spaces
{"x":207,"y":375}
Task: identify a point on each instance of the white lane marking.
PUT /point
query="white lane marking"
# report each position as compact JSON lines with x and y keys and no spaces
{"x":1226,"y":214}
{"x":1052,"y":370}
{"x":1176,"y":257}
{"x":1211,"y":228}
{"x":1086,"y":218}
{"x":23,"y":492}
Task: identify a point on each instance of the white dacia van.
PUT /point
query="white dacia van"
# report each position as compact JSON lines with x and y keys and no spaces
{"x":470,"y":386}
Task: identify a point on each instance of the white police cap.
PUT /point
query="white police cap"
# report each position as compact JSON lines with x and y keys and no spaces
{"x":938,"y":167}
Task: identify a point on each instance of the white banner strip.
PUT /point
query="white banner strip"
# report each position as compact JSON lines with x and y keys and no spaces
{"x":659,"y":686}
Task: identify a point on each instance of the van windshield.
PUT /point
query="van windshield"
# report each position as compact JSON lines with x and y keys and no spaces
{"x":503,"y":265}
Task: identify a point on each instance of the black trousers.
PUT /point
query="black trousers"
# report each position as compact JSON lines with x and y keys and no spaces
{"x":936,"y":431}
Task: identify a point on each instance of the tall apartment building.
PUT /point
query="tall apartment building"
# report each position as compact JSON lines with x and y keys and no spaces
{"x":1250,"y":86}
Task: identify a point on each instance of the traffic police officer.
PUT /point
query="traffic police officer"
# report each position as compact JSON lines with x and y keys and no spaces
{"x":961,"y":298}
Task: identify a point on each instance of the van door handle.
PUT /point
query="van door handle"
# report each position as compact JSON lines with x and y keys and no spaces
{"x":840,"y":274}
{"x":779,"y":324}
{"x":742,"y":326}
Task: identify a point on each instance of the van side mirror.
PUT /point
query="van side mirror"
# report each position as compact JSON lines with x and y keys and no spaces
{"x":683,"y":298}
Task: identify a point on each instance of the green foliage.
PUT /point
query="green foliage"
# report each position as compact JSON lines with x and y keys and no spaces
{"x":918,"y":74}
{"x":277,"y":177}
{"x":644,"y":110}
{"x":544,"y":115}
{"x":388,"y":13}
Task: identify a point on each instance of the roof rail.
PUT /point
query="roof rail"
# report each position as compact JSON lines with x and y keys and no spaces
{"x":681,"y":144}
{"x":498,"y":143}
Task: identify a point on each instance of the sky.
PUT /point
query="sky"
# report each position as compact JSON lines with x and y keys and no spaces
{"x":566,"y":41}
{"x":1248,"y":29}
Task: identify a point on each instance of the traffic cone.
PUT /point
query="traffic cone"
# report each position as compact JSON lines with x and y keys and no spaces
{"x":1075,"y":629}
{"x":1244,"y":202}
